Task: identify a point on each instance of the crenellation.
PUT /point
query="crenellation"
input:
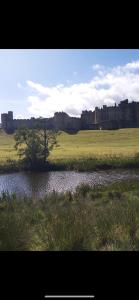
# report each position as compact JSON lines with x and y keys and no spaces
{"x":123,"y":115}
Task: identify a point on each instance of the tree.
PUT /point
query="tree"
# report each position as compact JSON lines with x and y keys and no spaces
{"x":48,"y":141}
{"x":34,"y":145}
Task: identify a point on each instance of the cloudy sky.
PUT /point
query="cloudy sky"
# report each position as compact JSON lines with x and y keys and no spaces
{"x":41,"y":82}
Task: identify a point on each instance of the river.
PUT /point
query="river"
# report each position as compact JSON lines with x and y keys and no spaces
{"x":36,"y":185}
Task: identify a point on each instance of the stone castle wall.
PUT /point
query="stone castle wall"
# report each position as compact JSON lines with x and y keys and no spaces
{"x":109,"y":117}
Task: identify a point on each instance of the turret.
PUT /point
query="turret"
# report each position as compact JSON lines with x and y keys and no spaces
{"x":7,"y":122}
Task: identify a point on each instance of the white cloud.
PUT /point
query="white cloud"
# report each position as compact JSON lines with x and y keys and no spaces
{"x":133,"y":65}
{"x":19,"y":116}
{"x":109,"y":86}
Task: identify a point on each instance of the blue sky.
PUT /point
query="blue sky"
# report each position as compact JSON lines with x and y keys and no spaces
{"x":40,"y":82}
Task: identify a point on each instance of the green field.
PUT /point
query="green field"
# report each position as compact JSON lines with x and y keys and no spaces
{"x":97,"y":143}
{"x":7,"y":150}
{"x":84,"y":144}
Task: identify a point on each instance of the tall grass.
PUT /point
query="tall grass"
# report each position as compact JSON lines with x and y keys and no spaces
{"x":96,"y":163}
{"x":84,"y":164}
{"x":100,"y":218}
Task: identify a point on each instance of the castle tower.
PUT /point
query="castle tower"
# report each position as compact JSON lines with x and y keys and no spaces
{"x":7,"y":122}
{"x":4,"y":119}
{"x":87,"y":119}
{"x":10,"y":115}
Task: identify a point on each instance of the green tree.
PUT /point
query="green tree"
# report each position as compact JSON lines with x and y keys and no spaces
{"x":34,"y":145}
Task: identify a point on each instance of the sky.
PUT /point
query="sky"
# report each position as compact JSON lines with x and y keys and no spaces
{"x":39,"y":82}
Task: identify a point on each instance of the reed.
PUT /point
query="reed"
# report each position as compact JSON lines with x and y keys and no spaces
{"x":99,"y":218}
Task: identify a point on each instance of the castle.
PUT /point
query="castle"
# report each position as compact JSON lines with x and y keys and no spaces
{"x":123,"y":115}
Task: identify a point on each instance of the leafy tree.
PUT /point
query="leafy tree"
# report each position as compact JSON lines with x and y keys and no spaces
{"x":48,"y":141}
{"x":34,"y":145}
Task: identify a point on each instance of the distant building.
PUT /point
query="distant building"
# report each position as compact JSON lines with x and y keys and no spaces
{"x":87,"y":119}
{"x":7,"y":122}
{"x":124,"y":115}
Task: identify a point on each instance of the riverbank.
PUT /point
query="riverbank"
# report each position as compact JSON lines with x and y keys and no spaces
{"x":98,"y":218}
{"x":96,"y":163}
{"x":83,"y":164}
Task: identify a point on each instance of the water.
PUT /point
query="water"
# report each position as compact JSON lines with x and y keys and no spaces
{"x":36,"y":185}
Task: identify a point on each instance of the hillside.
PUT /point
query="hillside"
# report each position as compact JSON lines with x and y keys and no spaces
{"x":83,"y":144}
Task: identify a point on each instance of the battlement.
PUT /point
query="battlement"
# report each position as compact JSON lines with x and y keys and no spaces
{"x":124,"y":102}
{"x":125,"y":114}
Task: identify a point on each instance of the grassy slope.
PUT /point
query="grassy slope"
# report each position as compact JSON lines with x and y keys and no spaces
{"x":7,"y":150}
{"x":105,"y":218}
{"x":88,"y":143}
{"x":83,"y":144}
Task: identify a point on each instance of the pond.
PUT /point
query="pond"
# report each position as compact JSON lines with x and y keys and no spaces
{"x":36,"y":185}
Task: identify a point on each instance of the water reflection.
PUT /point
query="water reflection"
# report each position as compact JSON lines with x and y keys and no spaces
{"x":36,"y":185}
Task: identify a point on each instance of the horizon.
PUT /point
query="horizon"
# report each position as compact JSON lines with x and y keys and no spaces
{"x":115,"y":104}
{"x":36,"y":83}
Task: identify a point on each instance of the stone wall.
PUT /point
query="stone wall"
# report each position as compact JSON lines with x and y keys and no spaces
{"x":87,"y":119}
{"x":109,"y":117}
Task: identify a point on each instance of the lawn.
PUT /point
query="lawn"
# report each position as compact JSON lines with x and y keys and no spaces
{"x":95,"y":142}
{"x":7,"y":150}
{"x":84,"y":144}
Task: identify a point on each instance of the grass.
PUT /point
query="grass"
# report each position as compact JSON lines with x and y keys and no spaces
{"x":101,"y":218}
{"x":86,"y":150}
{"x":7,"y":150}
{"x":100,"y":143}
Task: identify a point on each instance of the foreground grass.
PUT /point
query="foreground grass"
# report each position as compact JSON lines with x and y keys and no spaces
{"x":85,"y":151}
{"x":100,"y":218}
